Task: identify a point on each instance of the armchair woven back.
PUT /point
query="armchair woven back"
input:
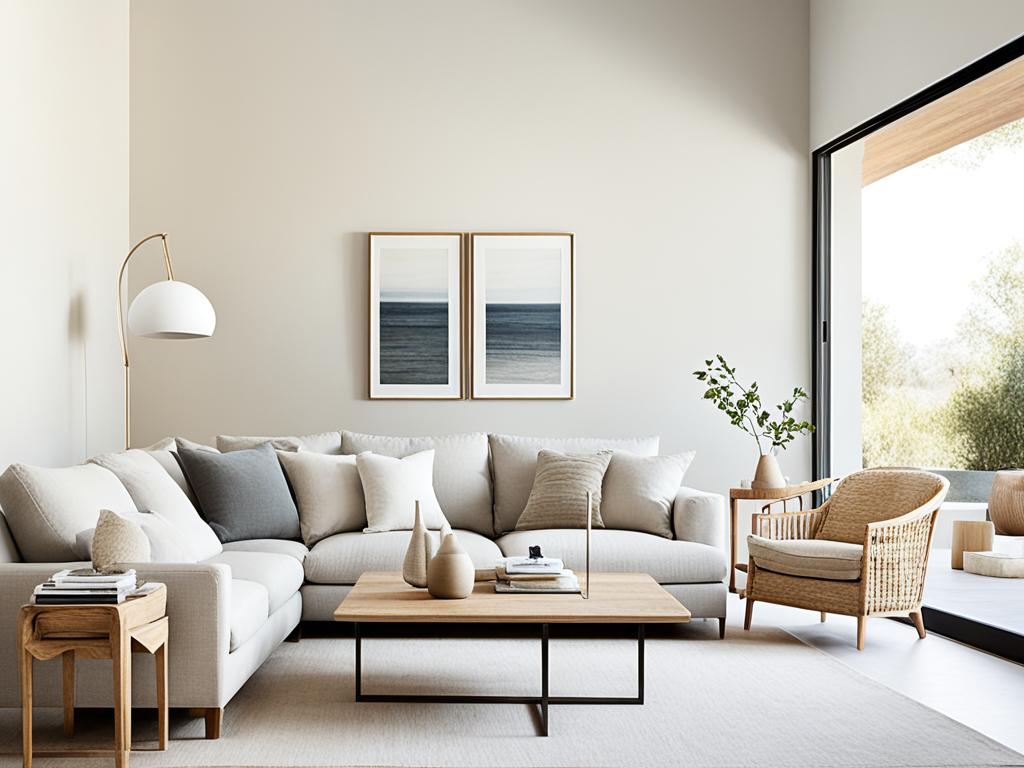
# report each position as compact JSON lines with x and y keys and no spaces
{"x":875,"y":495}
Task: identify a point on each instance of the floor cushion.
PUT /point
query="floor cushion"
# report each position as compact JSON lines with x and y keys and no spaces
{"x":668,"y":561}
{"x":514,"y":464}
{"x":342,"y":558}
{"x":462,"y":475}
{"x":810,"y":558}
{"x":280,"y":575}
{"x":294,"y":549}
{"x":248,"y":612}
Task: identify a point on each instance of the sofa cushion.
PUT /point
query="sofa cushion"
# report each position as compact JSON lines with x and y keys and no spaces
{"x":514,"y":463}
{"x":668,"y":561}
{"x":243,"y":494}
{"x":153,"y":490}
{"x":558,"y":498}
{"x":166,"y":542}
{"x":248,"y":611}
{"x":342,"y":558}
{"x":8,"y":549}
{"x":462,"y":476}
{"x":393,"y":488}
{"x":328,"y":492}
{"x":639,"y":491}
{"x":810,"y":558}
{"x":321,"y":442}
{"x":47,"y":508}
{"x":166,"y":454}
{"x":280,"y":575}
{"x":288,"y":547}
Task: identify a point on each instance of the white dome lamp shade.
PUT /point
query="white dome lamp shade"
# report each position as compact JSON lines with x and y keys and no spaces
{"x":169,"y":309}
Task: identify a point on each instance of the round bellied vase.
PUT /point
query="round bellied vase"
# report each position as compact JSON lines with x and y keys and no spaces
{"x":450,"y":572}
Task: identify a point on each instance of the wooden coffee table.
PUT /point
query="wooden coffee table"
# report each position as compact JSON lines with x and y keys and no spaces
{"x":615,"y":598}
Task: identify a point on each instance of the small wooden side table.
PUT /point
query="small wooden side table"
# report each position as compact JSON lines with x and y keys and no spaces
{"x":770,"y":495}
{"x":95,"y":632}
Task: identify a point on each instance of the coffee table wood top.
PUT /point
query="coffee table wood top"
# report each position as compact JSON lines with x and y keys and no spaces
{"x":615,"y":598}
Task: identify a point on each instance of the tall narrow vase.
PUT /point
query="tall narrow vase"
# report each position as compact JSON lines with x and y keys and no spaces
{"x":768,"y":474}
{"x":417,"y":556}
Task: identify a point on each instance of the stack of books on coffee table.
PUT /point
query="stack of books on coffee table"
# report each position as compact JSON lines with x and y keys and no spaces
{"x":545,"y":575}
{"x":86,"y":587}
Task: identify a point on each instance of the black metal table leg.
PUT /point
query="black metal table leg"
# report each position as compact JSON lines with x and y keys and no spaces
{"x":359,"y":662}
{"x":640,"y":663}
{"x":544,"y":680}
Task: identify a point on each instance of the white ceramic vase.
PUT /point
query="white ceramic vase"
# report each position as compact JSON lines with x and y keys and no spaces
{"x":417,"y":556}
{"x":768,"y":474}
{"x":450,"y":573}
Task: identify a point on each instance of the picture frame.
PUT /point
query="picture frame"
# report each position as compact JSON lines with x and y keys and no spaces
{"x":416,"y":316}
{"x":522,"y":315}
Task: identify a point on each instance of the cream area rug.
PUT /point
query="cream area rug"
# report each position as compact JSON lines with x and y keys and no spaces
{"x":758,"y":699}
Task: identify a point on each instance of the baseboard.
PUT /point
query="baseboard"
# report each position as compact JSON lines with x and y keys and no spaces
{"x":995,"y":640}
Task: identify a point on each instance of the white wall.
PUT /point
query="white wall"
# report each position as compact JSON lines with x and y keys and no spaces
{"x":670,"y":136}
{"x":867,"y":55}
{"x":63,"y":225}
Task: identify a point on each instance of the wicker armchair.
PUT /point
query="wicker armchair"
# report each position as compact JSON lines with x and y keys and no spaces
{"x":863,"y":553}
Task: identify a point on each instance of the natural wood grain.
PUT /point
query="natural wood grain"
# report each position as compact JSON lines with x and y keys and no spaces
{"x":970,"y":536}
{"x":616,"y":598}
{"x":862,"y":622}
{"x":918,"y":624}
{"x":95,"y":631}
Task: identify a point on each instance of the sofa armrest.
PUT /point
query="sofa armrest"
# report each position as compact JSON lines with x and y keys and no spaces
{"x":198,"y":605}
{"x":699,"y":517}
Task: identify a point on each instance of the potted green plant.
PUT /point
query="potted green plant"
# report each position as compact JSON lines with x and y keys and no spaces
{"x":742,"y":405}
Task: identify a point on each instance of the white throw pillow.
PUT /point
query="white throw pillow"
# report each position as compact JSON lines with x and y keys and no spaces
{"x":639,"y":491}
{"x":393,"y":486}
{"x":166,"y":544}
{"x":154,"y":490}
{"x":328,"y":492}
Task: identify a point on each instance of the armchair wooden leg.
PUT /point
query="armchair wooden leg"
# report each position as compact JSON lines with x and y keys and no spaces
{"x":749,"y":614}
{"x":721,"y":628}
{"x":918,"y":624}
{"x":861,"y":623}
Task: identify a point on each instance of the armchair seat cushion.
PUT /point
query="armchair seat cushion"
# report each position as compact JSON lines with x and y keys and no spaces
{"x":809,"y":558}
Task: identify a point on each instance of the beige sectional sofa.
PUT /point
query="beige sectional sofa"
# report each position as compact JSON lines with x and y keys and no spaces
{"x":229,"y":612}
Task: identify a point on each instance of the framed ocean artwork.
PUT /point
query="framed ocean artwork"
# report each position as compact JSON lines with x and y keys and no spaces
{"x":416,"y":317}
{"x":522,"y":316}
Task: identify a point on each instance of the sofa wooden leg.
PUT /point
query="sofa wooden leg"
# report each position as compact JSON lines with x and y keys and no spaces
{"x":749,"y":614}
{"x":823,"y":616}
{"x":295,"y":635}
{"x":918,"y":620}
{"x":861,"y":624}
{"x":721,"y":628}
{"x":212,"y":716}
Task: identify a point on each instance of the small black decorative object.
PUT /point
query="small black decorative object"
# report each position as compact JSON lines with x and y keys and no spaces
{"x":535,"y":553}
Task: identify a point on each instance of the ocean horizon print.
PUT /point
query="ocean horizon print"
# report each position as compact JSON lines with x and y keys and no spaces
{"x":523,"y":343}
{"x":413,"y":342}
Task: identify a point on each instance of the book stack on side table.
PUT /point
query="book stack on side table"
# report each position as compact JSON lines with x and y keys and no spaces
{"x":545,"y":575}
{"x":86,"y":586}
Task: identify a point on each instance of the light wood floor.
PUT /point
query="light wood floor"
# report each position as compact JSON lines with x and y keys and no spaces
{"x":981,"y":691}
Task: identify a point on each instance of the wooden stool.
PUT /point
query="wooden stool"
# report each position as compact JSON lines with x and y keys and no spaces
{"x":970,"y":536}
{"x":95,"y":632}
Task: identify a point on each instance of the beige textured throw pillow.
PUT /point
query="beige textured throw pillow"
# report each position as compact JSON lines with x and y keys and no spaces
{"x":328,"y":491}
{"x":393,"y":486}
{"x":559,"y":495}
{"x":639,"y":491}
{"x":117,"y":540}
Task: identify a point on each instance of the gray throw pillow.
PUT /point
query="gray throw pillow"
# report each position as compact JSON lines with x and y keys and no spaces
{"x":559,"y":495}
{"x":242,"y":494}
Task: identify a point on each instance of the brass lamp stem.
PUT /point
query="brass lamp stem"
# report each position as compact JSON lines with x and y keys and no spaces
{"x":121,"y":326}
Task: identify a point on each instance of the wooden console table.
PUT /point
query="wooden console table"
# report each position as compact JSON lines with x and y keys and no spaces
{"x":771,"y":496}
{"x":95,"y":632}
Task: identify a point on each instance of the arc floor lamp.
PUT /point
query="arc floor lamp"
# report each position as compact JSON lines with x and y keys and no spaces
{"x":169,"y":309}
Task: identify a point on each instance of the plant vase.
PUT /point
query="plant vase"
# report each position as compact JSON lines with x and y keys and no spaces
{"x":768,"y":475}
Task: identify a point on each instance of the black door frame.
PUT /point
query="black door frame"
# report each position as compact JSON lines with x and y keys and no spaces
{"x":821,"y":222}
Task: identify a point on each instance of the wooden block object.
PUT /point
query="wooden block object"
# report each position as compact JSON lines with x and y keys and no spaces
{"x":994,"y":564}
{"x":970,"y":536}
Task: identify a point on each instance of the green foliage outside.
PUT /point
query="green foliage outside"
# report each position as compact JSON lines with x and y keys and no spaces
{"x":960,"y":406}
